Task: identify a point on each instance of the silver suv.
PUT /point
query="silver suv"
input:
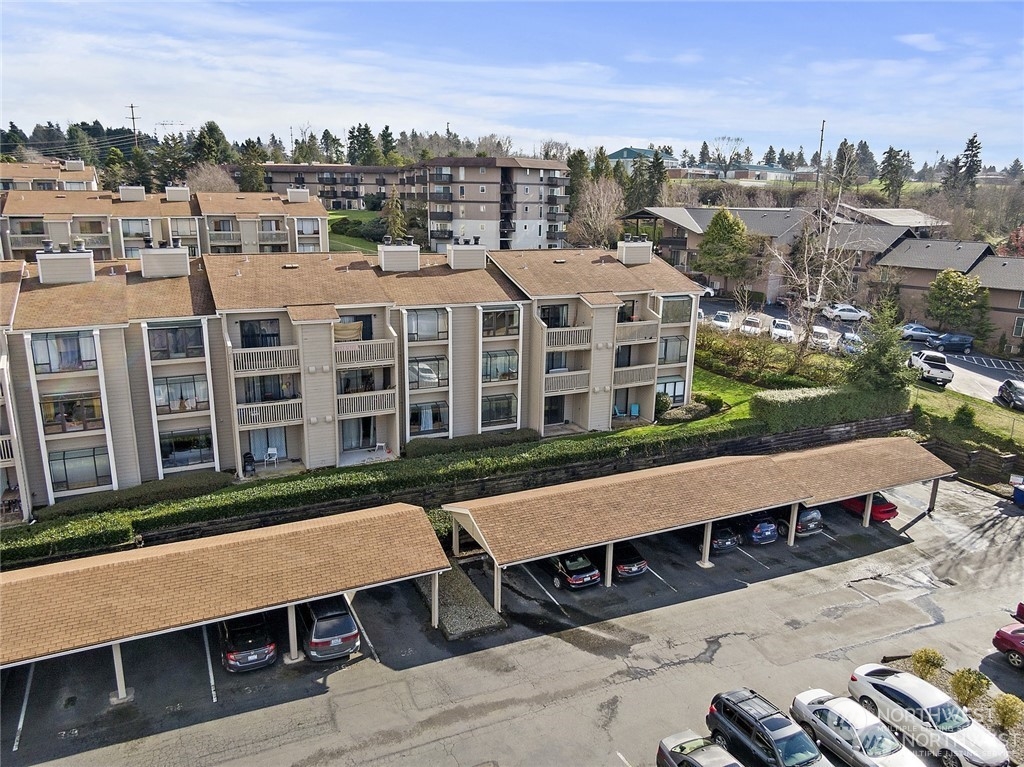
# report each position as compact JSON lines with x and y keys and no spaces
{"x":328,"y":629}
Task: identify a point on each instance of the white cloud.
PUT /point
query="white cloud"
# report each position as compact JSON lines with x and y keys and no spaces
{"x":923,"y":42}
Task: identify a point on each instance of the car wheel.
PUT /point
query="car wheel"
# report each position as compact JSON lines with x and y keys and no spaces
{"x":967,"y":350}
{"x":948,"y":758}
{"x":557,"y":581}
{"x":783,"y":529}
{"x":941,"y":347}
{"x":1015,"y":659}
{"x":810,"y":731}
{"x":869,"y":705}
{"x":720,"y":740}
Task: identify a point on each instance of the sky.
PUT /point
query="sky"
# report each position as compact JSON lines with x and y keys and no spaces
{"x":920,"y":76}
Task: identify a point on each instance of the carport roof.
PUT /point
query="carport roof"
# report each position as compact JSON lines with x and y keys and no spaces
{"x":68,"y":606}
{"x":849,"y":469}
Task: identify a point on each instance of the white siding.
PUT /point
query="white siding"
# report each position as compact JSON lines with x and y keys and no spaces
{"x":319,"y":395}
{"x":120,"y":421}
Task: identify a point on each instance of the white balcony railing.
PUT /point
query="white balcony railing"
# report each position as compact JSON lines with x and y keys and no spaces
{"x":636,"y":375}
{"x":567,"y":382}
{"x":28,"y":241}
{"x":273,"y":237}
{"x":95,"y":240}
{"x":367,"y":403}
{"x":6,"y":451}
{"x":563,"y":338}
{"x":358,"y":353}
{"x":222,"y":237}
{"x":627,"y":332}
{"x":266,"y":358}
{"x":259,"y":414}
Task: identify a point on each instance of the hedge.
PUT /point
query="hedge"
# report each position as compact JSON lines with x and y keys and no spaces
{"x":419,"y":448}
{"x":791,"y":409}
{"x":66,"y":536}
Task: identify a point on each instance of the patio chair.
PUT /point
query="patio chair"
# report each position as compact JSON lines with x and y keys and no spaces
{"x":270,"y":457}
{"x":616,"y":413}
{"x":634,"y":412}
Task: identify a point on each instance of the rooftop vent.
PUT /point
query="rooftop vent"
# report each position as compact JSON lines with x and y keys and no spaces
{"x":289,"y":266}
{"x":559,"y":261}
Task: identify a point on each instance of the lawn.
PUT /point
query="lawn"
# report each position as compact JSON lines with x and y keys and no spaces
{"x":340,"y":243}
{"x":994,"y":425}
{"x":735,"y":393}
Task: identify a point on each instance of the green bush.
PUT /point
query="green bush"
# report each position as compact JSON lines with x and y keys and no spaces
{"x":662,"y":404}
{"x":441,"y":521}
{"x":712,"y":400}
{"x":968,"y":685}
{"x":787,"y":410}
{"x":1008,"y":710}
{"x":963,"y":416}
{"x":345,"y":226}
{"x":419,"y":448}
{"x":926,"y":662}
{"x":692,"y":412}
{"x":66,"y":536}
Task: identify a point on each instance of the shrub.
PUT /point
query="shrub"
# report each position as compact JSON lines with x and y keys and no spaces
{"x":419,"y":448}
{"x":692,"y":412}
{"x":441,"y":521}
{"x":963,"y":416}
{"x":662,"y":403}
{"x":786,"y":410}
{"x":712,"y":400}
{"x":926,"y":662}
{"x":66,"y":536}
{"x":1008,"y":710}
{"x":345,"y":226}
{"x":968,"y":685}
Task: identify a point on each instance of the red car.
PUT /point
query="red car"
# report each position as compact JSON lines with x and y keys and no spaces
{"x":1009,"y":640}
{"x":881,"y":507}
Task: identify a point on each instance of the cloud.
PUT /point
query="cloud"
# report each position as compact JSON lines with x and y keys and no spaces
{"x":923,"y":42}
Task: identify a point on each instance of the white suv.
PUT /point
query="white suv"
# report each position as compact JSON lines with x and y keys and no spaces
{"x":781,"y":330}
{"x":752,"y":326}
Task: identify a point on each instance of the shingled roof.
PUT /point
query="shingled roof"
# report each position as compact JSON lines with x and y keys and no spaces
{"x":936,"y":254}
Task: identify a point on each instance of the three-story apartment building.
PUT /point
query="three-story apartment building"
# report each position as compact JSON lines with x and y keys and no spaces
{"x":337,"y":186}
{"x":51,"y":175}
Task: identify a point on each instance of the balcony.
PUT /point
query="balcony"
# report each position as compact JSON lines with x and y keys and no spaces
{"x":558,"y":217}
{"x":568,"y":338}
{"x":6,"y":450}
{"x":262,"y":414}
{"x":440,"y":197}
{"x":273,"y":237}
{"x":557,"y":235}
{"x":507,"y":209}
{"x":308,"y":232}
{"x":673,"y":242}
{"x":420,"y":178}
{"x":632,"y":332}
{"x":300,"y":180}
{"x":441,"y":234}
{"x":562,"y":382}
{"x":558,"y":199}
{"x":507,"y":226}
{"x":508,"y":189}
{"x":34,"y":241}
{"x":380,"y":181}
{"x":557,"y":180}
{"x":354,"y":354}
{"x":225,"y":237}
{"x":439,"y":215}
{"x":94,"y":240}
{"x":367,"y":403}
{"x":326,"y":179}
{"x":440,"y":178}
{"x":268,"y":179}
{"x":266,"y":358}
{"x":350,"y":194}
{"x":637,"y":375}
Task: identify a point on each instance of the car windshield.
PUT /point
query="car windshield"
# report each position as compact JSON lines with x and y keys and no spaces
{"x":333,"y":626}
{"x":949,"y":717}
{"x":797,"y":749}
{"x":577,"y":562}
{"x":876,"y":740}
{"x":811,"y":515}
{"x":692,"y":745}
{"x":783,"y":325}
{"x":722,"y":316}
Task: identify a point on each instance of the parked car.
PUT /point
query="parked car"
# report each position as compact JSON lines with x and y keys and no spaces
{"x":782,"y":330}
{"x":848,"y":730}
{"x":882,"y":508}
{"x":722,"y":320}
{"x":706,"y":290}
{"x":700,"y":315}
{"x":1012,"y":393}
{"x":1009,"y":640}
{"x":915,"y":331}
{"x":821,"y":338}
{"x":758,"y":733}
{"x":573,"y":570}
{"x":951,"y":342}
{"x":723,"y":538}
{"x":688,"y":749}
{"x":329,"y":631}
{"x":752,"y":326}
{"x":627,"y":562}
{"x":245,"y":643}
{"x":932,"y":366}
{"x":808,"y":522}
{"x":1019,"y":615}
{"x":758,"y":528}
{"x":850,"y":343}
{"x":845,"y":313}
{"x":927,"y":715}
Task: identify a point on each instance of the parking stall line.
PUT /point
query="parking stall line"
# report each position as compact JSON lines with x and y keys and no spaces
{"x":827,"y":535}
{"x":209,"y":664}
{"x":557,"y":604}
{"x":24,"y":707}
{"x":362,"y":631}
{"x":742,"y":551}
{"x":619,"y":754}
{"x":651,"y":571}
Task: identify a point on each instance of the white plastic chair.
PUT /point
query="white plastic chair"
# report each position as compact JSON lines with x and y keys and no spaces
{"x":271,"y":456}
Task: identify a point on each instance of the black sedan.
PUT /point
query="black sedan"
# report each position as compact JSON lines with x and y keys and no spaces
{"x":627,"y":562}
{"x":245,"y":643}
{"x":723,"y":538}
{"x":1012,"y":393}
{"x":573,"y":570}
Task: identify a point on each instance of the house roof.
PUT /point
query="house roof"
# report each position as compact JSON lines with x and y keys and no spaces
{"x":1000,"y":272}
{"x":313,"y":313}
{"x":24,"y":202}
{"x":631,"y":153}
{"x":10,"y":287}
{"x":154,"y":206}
{"x":936,"y":254}
{"x":782,"y":224}
{"x":895,"y":216}
{"x":255,"y":204}
{"x":872,"y":238}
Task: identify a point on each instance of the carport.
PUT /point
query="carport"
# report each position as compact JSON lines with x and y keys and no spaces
{"x":67,"y":607}
{"x":522,"y":527}
{"x":851,"y":469}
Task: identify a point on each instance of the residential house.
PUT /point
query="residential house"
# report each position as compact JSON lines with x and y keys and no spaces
{"x":763,"y":173}
{"x":1003,"y":277}
{"x":921,"y":224}
{"x":628,"y":155}
{"x":261,"y":222}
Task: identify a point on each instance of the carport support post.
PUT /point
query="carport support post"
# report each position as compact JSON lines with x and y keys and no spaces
{"x":435,"y":609}
{"x":608,"y":564}
{"x":793,"y":511}
{"x":293,"y":637}
{"x":497,"y":587}
{"x":122,"y":694}
{"x":706,"y":549}
{"x":866,"y":517}
{"x":455,"y":537}
{"x":934,"y":495}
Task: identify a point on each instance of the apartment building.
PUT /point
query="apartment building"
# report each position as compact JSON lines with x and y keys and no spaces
{"x":51,"y":175}
{"x":337,"y":186}
{"x":117,"y":372}
{"x":120,"y":225}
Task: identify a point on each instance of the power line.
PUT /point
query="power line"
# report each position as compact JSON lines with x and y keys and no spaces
{"x":132,"y":107}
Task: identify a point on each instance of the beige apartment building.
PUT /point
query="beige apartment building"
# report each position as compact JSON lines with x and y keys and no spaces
{"x":118,"y":372}
{"x":52,"y":175}
{"x":337,"y":186}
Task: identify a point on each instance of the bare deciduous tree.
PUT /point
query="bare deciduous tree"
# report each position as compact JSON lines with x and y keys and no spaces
{"x":207,"y":177}
{"x":681,"y":194}
{"x":594,"y":220}
{"x":725,"y":153}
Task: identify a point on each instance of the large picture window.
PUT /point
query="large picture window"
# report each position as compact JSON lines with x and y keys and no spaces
{"x":187,"y":447}
{"x":428,"y":417}
{"x":672,"y":349}
{"x":674,"y":387}
{"x":500,"y":365}
{"x":62,"y":352}
{"x":257,"y":333}
{"x":555,"y":316}
{"x":181,"y":394}
{"x":428,"y":372}
{"x":675,"y":310}
{"x":78,"y":469}
{"x":428,"y":325}
{"x":71,"y":412}
{"x":168,"y":343}
{"x":135,"y":227}
{"x":498,"y":410}
{"x":501,"y":322}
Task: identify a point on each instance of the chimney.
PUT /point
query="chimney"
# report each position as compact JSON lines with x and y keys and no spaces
{"x":467,"y":256}
{"x":633,"y":252}
{"x":400,"y":257}
{"x":177,"y":193}
{"x":65,"y":266}
{"x":164,"y":261}
{"x":298,"y":195}
{"x":132,"y":193}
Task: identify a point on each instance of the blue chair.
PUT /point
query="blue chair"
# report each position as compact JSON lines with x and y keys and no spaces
{"x":616,"y":413}
{"x":634,"y":411}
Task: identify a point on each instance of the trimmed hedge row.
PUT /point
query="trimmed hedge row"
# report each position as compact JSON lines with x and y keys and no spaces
{"x":787,"y":410}
{"x":66,"y":536}
{"x":419,"y":448}
{"x":769,"y":378}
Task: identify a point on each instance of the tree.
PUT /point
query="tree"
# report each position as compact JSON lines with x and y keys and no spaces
{"x":139,"y":170}
{"x":770,"y":157}
{"x":275,"y":148}
{"x":725,"y":153}
{"x":960,"y":176}
{"x":725,"y":249}
{"x":555,"y":150}
{"x":252,"y":155}
{"x":896,"y":169}
{"x":112,"y":175}
{"x":12,"y":138}
{"x":1016,"y":169}
{"x":48,"y":140}
{"x":800,"y":161}
{"x":638,"y":188}
{"x":816,"y":159}
{"x":1014,"y":245}
{"x":207,"y":177}
{"x":784,"y":159}
{"x":211,"y":145}
{"x":387,"y":141}
{"x":595,"y":221}
{"x":845,"y":169}
{"x":705,"y":154}
{"x":331,"y":147}
{"x":881,"y":365}
{"x":657,"y":179}
{"x":579,"y":173}
{"x":171,"y":161}
{"x":866,"y":165}
{"x":620,"y":176}
{"x":748,"y":155}
{"x":951,"y":299}
{"x":80,"y":145}
{"x":394,"y":217}
{"x":601,"y":166}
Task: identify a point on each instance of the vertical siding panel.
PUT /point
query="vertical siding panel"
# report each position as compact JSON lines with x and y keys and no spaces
{"x":464,"y":371}
{"x":141,"y":402}
{"x":220,"y":388}
{"x":120,"y":421}
{"x":318,"y":394}
{"x":20,"y":363}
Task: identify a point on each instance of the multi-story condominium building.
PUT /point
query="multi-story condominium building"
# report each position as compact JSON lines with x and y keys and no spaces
{"x":123,"y":371}
{"x":338,"y":186}
{"x":121,"y":225}
{"x":52,"y":175}
{"x":502,"y":203}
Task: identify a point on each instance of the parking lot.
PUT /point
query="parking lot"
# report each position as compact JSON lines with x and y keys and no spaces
{"x":596,"y":673}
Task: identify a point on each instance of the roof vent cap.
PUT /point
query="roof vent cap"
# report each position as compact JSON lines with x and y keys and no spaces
{"x":559,"y":261}
{"x":289,"y":266}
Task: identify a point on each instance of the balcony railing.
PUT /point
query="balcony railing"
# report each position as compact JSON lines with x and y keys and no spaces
{"x":557,"y":235}
{"x":440,"y":234}
{"x":557,"y":180}
{"x":441,"y":215}
{"x":6,"y":450}
{"x":626,"y":332}
{"x":440,"y":197}
{"x":349,"y":180}
{"x":350,"y":194}
{"x":259,"y":414}
{"x":440,"y":178}
{"x":225,"y":237}
{"x":308,"y":232}
{"x":635,"y":375}
{"x":28,"y":241}
{"x":558,"y":199}
{"x":362,"y":353}
{"x":326,"y":180}
{"x":381,"y":181}
{"x":556,"y":217}
{"x":564,"y":338}
{"x":367,"y":403}
{"x":508,"y":189}
{"x":673,"y":242}
{"x":271,"y":237}
{"x":567,"y":382}
{"x":507,"y":226}
{"x":420,"y":178}
{"x":266,"y":358}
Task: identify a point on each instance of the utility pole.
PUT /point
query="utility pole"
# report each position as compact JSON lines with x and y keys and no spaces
{"x":134,"y":131}
{"x":821,"y":146}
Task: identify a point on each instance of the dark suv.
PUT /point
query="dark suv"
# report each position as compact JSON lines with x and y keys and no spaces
{"x":951,"y":342}
{"x":757,"y":733}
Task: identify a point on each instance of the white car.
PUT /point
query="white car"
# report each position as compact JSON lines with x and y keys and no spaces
{"x":821,"y":338}
{"x":722,"y":320}
{"x":782,"y":330}
{"x":752,"y":326}
{"x":850,"y":731}
{"x":845,"y":313}
{"x":927,"y":716}
{"x":708,"y":292}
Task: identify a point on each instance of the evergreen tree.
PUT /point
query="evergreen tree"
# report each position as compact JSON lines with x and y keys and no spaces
{"x":393,"y":215}
{"x":331,"y":147}
{"x":579,"y":172}
{"x":252,"y":155}
{"x":620,"y":175}
{"x":12,"y":138}
{"x":705,"y":154}
{"x":1016,"y":169}
{"x":80,"y":145}
{"x":211,"y":145}
{"x":896,"y":169}
{"x":171,"y":160}
{"x":881,"y":365}
{"x":748,"y":156}
{"x":275,"y":148}
{"x":602,"y":167}
{"x":638,"y":188}
{"x":783,"y":158}
{"x":113,"y":173}
{"x":139,"y":170}
{"x":770,"y":158}
{"x":387,"y":141}
{"x":48,"y":139}
{"x":725,"y":249}
{"x":866,"y":164}
{"x":846,"y":165}
{"x":800,"y":161}
{"x":658,"y":177}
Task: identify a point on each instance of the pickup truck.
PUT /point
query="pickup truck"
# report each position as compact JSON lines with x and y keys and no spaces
{"x":932,"y":366}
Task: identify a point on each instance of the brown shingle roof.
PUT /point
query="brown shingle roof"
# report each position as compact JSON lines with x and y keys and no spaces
{"x":154,"y":206}
{"x":313,"y":313}
{"x":37,"y":203}
{"x":440,"y":285}
{"x":10,"y":286}
{"x":255,"y":204}
{"x":82,"y":603}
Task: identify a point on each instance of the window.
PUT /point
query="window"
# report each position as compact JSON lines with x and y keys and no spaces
{"x":77,"y":469}
{"x":306,"y":247}
{"x":526,"y":190}
{"x":1020,"y":301}
{"x":483,"y":208}
{"x":132,"y":253}
{"x":556,"y":362}
{"x":672,"y":350}
{"x":674,"y":387}
{"x":31,"y":227}
{"x":90,"y":227}
{"x":483,"y":171}
{"x":270,"y":225}
{"x":483,"y":189}
{"x":462,"y":193}
{"x":1018,"y":327}
{"x":627,"y":312}
{"x":428,"y":372}
{"x":223,"y":225}
{"x":428,"y":417}
{"x":74,"y":186}
{"x":71,"y":412}
{"x":676,"y":310}
{"x":501,"y":322}
{"x":258,"y":333}
{"x":428,"y":325}
{"x":62,"y":352}
{"x":355,"y":381}
{"x":623,"y":356}
{"x":135,"y":227}
{"x":168,"y":343}
{"x":500,"y":365}
{"x":307,"y":226}
{"x":187,"y":447}
{"x":270,"y":388}
{"x":181,"y":394}
{"x":526,"y":209}
{"x":555,"y":315}
{"x":366,"y":331}
{"x":498,"y":410}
